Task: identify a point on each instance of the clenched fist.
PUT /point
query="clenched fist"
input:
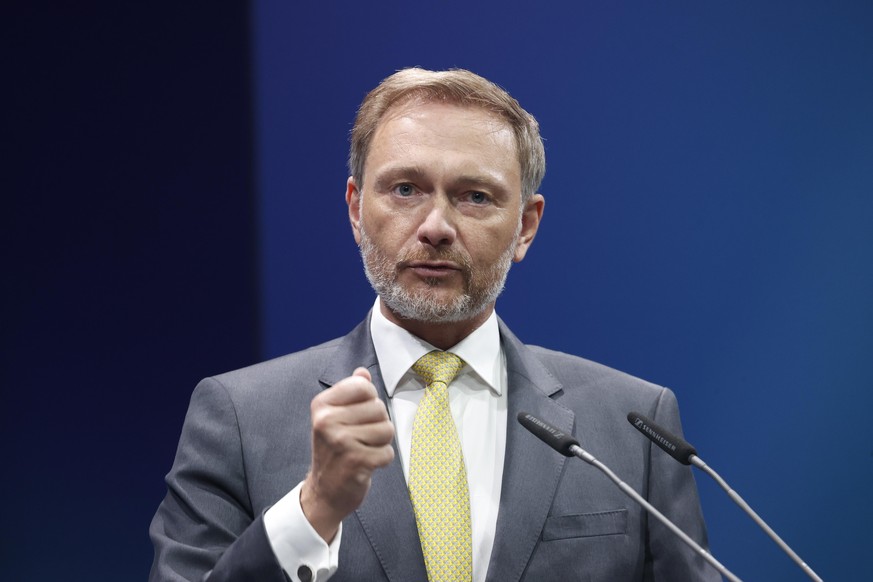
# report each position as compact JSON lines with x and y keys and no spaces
{"x":351,"y":437}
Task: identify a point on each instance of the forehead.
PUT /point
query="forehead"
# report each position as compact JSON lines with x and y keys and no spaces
{"x":446,"y":131}
{"x":421,"y":108}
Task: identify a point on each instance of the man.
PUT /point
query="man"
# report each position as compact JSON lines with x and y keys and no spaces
{"x":359,"y":460}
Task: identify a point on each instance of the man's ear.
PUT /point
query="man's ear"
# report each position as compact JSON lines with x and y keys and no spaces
{"x":353,"y":199}
{"x":531,"y":214}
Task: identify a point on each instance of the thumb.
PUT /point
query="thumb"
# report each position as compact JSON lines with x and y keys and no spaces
{"x":363,"y":373}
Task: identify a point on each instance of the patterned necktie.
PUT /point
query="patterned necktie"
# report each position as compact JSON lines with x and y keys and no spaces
{"x":437,"y":477}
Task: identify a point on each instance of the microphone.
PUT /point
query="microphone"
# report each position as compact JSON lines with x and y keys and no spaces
{"x":683,"y":452}
{"x":569,"y":446}
{"x":558,"y":440}
{"x":670,"y":443}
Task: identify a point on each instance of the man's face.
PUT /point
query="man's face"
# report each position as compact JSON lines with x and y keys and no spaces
{"x":439,"y":215}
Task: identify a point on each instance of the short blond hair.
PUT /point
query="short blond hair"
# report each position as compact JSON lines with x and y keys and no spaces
{"x":456,"y":86}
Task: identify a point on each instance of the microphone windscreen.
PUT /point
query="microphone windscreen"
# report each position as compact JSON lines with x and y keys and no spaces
{"x":555,"y":438}
{"x":674,"y":446}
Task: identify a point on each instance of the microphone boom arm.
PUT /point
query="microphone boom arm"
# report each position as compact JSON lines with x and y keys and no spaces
{"x":698,"y":462}
{"x":578,"y":451}
{"x":682,"y":451}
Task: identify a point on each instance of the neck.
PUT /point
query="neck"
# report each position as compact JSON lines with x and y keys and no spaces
{"x":439,"y":335}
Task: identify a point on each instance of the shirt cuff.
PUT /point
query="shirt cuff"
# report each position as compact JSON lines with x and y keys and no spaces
{"x":302,"y":553}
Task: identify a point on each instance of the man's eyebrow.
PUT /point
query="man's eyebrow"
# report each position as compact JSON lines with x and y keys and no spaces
{"x":478,"y":180}
{"x":387,"y":176}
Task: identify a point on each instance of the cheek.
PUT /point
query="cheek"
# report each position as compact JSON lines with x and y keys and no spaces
{"x":376,"y":214}
{"x":390,"y":235}
{"x":393,"y":230}
{"x":488,"y":243}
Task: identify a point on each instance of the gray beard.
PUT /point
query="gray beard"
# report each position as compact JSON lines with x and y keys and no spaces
{"x":480,"y":290}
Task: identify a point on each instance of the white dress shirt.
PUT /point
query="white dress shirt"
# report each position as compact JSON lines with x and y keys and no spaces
{"x":477,"y":398}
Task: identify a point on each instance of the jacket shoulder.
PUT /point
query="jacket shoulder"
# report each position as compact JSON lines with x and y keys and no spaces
{"x":313,"y":357}
{"x":557,"y":360}
{"x":273,"y":380}
{"x":580,"y":375}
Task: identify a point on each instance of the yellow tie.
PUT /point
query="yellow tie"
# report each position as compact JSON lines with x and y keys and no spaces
{"x":437,"y":477}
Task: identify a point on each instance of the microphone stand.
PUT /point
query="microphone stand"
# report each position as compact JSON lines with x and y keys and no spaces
{"x":698,"y":462}
{"x":589,"y":458}
{"x":682,"y":451}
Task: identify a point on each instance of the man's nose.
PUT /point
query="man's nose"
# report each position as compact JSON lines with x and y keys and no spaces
{"x":438,"y":228}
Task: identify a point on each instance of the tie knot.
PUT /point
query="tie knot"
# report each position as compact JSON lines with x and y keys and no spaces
{"x":437,"y":366}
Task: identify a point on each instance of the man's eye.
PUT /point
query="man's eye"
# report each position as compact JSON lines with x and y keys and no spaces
{"x":405,"y":190}
{"x":478,"y":197}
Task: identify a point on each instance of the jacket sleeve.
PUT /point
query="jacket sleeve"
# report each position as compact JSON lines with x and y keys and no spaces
{"x":672,"y":490}
{"x":205,"y":526}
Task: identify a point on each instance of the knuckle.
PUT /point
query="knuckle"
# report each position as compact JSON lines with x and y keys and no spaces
{"x":379,"y":406}
{"x":385,"y":433}
{"x":387,"y":455}
{"x":356,"y":458}
{"x":363,"y":386}
{"x":321,"y":419}
{"x":337,"y":438}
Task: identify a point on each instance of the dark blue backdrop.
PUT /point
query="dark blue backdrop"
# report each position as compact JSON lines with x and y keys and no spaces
{"x":128,"y":253}
{"x":174,"y":179}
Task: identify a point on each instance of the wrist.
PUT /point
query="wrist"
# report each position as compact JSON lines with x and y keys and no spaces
{"x":318,"y":512}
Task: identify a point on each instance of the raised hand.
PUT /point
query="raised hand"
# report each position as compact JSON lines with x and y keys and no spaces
{"x":351,"y":437}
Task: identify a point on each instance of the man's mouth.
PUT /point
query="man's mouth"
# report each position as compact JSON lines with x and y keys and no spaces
{"x":433,"y":268}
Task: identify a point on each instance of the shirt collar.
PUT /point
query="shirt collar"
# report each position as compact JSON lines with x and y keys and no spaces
{"x":397,"y":350}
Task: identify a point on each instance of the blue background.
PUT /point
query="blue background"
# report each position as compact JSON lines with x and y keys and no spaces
{"x":176,"y":210}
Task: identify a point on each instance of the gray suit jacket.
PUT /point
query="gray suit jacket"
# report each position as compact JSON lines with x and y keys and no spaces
{"x":246,"y":443}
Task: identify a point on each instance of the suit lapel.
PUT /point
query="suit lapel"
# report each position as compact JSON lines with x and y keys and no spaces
{"x":531,"y":470}
{"x":386,"y":515}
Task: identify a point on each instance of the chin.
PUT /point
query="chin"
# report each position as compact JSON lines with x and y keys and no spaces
{"x":428,"y":308}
